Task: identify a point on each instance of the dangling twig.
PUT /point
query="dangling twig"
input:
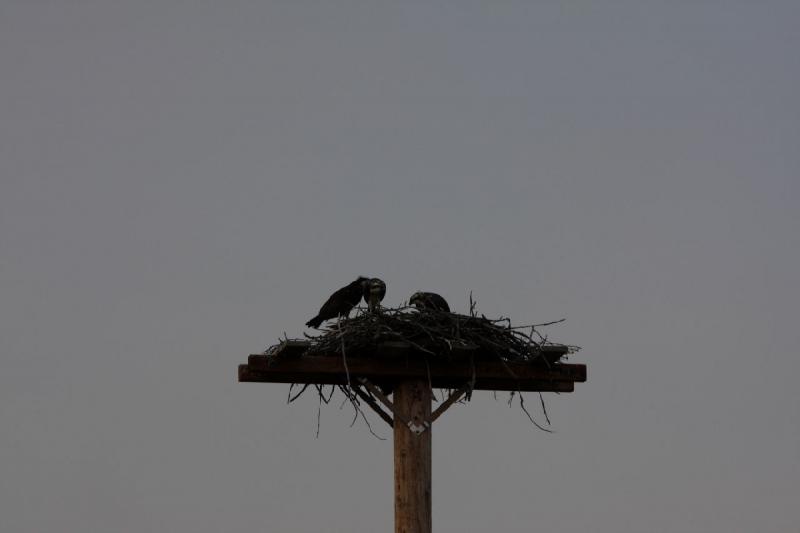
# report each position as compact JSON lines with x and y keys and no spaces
{"x":291,"y":399}
{"x":522,"y":405}
{"x":544,"y":408}
{"x":319,"y":414}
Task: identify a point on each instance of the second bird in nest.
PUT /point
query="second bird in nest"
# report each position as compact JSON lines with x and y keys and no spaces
{"x":428,"y":300}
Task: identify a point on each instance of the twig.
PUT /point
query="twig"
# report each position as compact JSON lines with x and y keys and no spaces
{"x":291,"y":399}
{"x":544,"y":408}
{"x":344,"y":355}
{"x":319,"y":414}
{"x":522,"y":405}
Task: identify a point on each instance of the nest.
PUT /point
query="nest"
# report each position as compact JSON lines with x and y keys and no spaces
{"x":439,"y":334}
{"x":430,"y":333}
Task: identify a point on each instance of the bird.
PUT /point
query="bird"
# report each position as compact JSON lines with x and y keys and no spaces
{"x":429,"y":300}
{"x":374,"y":291}
{"x":340,"y":302}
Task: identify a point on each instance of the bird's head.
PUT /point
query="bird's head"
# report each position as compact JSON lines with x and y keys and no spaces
{"x":377,"y":286}
{"x":417,"y":300}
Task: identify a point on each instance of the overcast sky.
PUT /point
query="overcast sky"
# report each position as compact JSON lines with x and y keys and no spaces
{"x":181,"y":183}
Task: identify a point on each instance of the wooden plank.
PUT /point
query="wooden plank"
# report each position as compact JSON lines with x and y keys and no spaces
{"x":445,"y":405}
{"x":378,"y":393}
{"x":373,"y":404}
{"x":249,"y":374}
{"x":412,"y":367}
{"x":412,"y":458}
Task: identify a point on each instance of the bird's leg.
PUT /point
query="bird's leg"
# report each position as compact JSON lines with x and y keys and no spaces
{"x":373,"y":302}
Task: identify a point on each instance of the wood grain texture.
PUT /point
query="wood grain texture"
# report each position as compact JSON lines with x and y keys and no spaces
{"x":412,"y":459}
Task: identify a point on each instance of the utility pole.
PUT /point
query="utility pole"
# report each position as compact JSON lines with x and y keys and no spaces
{"x":399,"y":367}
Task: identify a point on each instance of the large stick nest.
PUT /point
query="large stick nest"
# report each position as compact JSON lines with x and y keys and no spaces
{"x":435,"y":334}
{"x":438,"y":334}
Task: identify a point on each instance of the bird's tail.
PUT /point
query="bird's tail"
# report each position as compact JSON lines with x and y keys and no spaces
{"x":314,"y":322}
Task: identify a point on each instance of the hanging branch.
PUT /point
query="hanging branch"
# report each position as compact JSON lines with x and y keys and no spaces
{"x":522,"y":405}
{"x":544,"y":408}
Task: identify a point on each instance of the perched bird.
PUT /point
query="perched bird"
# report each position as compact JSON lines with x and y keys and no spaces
{"x":429,"y":300}
{"x":340,"y":303}
{"x":374,"y":291}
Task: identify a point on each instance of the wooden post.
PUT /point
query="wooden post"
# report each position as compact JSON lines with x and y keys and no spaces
{"x":400,"y":366}
{"x":412,"y":457}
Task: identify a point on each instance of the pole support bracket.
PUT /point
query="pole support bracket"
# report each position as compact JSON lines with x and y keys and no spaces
{"x":417,"y":428}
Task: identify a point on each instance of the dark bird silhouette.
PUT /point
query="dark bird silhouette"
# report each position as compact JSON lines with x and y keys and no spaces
{"x":429,"y":300}
{"x":374,"y":291}
{"x":340,"y":303}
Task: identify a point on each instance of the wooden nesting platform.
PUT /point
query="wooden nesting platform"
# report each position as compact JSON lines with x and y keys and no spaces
{"x":395,"y":362}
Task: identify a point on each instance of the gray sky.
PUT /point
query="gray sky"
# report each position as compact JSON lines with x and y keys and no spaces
{"x":180,"y":184}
